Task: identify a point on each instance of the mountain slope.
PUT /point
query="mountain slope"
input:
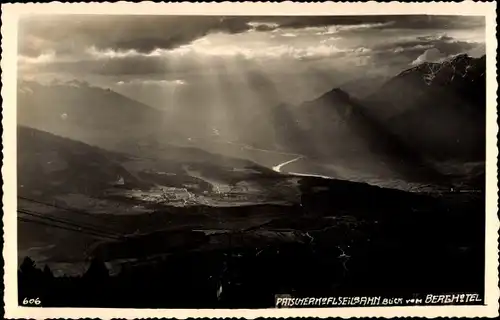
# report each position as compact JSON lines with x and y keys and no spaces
{"x":49,"y":165}
{"x":81,"y":112}
{"x":335,"y":128}
{"x":437,"y":108}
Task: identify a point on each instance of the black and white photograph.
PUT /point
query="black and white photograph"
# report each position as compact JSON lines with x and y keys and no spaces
{"x":229,"y":161}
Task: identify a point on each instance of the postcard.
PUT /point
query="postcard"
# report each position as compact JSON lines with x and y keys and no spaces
{"x":248,"y":160}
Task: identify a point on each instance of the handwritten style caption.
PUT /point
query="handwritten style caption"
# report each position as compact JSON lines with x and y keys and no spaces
{"x":287,"y":301}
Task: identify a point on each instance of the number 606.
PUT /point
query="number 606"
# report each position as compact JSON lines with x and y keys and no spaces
{"x":27,"y":301}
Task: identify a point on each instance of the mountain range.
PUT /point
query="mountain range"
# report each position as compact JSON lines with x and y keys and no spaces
{"x":425,"y":116}
{"x":438,"y":108}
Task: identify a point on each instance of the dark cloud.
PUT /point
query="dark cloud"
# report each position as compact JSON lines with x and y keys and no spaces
{"x":73,"y":33}
{"x":389,"y":21}
{"x":265,"y":27}
{"x":141,"y":33}
{"x":438,"y":22}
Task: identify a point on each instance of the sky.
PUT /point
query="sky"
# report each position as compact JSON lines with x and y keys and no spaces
{"x":191,"y":60}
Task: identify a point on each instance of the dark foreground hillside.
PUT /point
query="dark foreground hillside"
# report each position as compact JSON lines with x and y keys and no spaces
{"x":344,"y":239}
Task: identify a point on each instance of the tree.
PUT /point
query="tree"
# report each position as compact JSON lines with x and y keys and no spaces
{"x":97,"y":270}
{"x":28,"y":267}
{"x":47,"y":272}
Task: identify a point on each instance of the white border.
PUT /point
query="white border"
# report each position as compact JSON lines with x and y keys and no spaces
{"x":10,"y":14}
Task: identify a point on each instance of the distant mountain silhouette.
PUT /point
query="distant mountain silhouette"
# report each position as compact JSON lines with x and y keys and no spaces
{"x":82,"y":112}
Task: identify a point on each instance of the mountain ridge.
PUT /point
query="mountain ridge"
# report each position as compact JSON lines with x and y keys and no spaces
{"x":429,"y":95}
